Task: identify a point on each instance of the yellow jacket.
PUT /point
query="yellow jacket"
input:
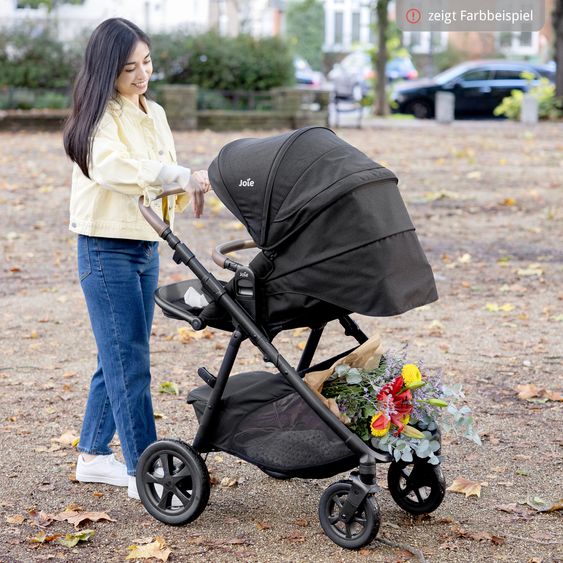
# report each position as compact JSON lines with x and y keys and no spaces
{"x":128,"y":151}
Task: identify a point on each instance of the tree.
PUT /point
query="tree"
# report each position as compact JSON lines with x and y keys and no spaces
{"x":558,"y":28}
{"x":381,"y":11}
{"x":50,"y":4}
{"x":305,"y":30}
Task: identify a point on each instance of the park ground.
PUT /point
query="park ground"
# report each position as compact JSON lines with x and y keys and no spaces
{"x":486,"y":200}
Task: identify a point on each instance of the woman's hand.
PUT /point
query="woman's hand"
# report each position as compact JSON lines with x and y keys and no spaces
{"x":199,"y":185}
{"x":203,"y":179}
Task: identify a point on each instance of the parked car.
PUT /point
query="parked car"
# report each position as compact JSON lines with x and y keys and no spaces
{"x":353,"y":76}
{"x":305,"y":76}
{"x":478,"y":86}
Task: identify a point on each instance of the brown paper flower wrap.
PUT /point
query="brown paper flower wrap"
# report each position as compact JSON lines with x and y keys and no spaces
{"x":366,"y":356}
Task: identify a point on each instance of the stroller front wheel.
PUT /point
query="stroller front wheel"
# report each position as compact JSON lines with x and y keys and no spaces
{"x":418,"y":488}
{"x":173,"y":482}
{"x":363,"y":526}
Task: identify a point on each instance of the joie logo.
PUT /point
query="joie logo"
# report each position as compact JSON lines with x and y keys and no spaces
{"x":248,"y":183}
{"x":243,"y":274}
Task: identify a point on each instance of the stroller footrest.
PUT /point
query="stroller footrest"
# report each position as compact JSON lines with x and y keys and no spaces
{"x":207,"y":376}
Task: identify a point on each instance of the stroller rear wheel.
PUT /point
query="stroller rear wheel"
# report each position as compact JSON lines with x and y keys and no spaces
{"x":418,"y":488}
{"x":173,"y":482}
{"x":363,"y":526}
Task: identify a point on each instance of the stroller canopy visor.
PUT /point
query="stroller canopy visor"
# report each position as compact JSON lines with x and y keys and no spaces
{"x":276,"y":185}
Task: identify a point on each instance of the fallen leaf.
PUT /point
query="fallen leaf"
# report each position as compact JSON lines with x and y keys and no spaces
{"x":70,"y":540}
{"x":541,"y":505}
{"x":76,"y":518}
{"x":528,"y":391}
{"x":42,"y":537}
{"x":186,"y":335}
{"x":169,"y":388}
{"x":531,"y":270}
{"x":229,"y":482}
{"x":479,"y":536}
{"x":16,"y":519}
{"x":495,"y":307}
{"x":154,"y":550}
{"x":301,"y":522}
{"x":435,"y":328}
{"x":41,"y":519}
{"x":263,"y":526}
{"x":466,"y":487}
{"x":67,"y":439}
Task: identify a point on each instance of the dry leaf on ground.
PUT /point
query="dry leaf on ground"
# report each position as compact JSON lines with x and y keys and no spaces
{"x":154,"y":550}
{"x":76,"y":518}
{"x":466,"y":487}
{"x":531,"y":391}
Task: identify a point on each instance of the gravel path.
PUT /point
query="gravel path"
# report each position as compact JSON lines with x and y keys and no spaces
{"x":486,"y":199}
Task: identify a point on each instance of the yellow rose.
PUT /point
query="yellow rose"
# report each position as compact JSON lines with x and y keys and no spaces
{"x":411,"y":376}
{"x":379,"y":424}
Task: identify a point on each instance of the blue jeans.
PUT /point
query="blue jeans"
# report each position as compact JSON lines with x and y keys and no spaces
{"x":118,"y":278}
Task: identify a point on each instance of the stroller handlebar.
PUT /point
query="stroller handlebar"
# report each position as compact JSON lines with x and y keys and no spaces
{"x":218,"y":255}
{"x":152,"y":218}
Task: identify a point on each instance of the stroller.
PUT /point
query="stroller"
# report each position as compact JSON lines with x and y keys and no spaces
{"x":334,"y":238}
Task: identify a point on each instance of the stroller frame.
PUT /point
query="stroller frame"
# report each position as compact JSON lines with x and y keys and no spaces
{"x":357,"y":504}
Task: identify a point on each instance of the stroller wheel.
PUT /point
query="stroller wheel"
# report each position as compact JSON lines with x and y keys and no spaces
{"x":363,"y":526}
{"x":418,"y":488}
{"x":173,"y":482}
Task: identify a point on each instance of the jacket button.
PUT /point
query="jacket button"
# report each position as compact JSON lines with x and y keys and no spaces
{"x":161,"y":152}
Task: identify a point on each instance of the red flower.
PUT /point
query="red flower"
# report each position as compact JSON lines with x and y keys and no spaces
{"x":399,"y":403}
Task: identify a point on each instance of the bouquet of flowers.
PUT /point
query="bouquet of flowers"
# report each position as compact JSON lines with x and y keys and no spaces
{"x":396,"y":405}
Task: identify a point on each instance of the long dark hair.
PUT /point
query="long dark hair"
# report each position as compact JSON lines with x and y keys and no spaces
{"x":106,"y":54}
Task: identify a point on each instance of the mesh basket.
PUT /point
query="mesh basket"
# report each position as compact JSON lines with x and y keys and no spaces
{"x":263,"y":420}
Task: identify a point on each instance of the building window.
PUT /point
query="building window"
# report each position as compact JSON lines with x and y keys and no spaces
{"x":506,"y":39}
{"x":416,"y":39}
{"x":338,"y":28}
{"x":355,"y":27}
{"x":526,"y":39}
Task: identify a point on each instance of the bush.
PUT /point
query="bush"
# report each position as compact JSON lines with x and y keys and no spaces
{"x":31,"y":57}
{"x":214,"y":62}
{"x":549,"y":106}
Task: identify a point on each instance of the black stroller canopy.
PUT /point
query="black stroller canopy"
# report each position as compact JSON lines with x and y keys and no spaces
{"x":332,"y":225}
{"x":278,"y":184}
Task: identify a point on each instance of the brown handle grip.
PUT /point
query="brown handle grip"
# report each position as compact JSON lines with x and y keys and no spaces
{"x":151,"y":217}
{"x":218,"y":255}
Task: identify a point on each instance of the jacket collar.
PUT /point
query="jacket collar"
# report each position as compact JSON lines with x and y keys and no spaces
{"x":123,"y":106}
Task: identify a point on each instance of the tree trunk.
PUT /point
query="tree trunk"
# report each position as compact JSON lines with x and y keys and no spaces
{"x":382,"y":107}
{"x":558,"y":28}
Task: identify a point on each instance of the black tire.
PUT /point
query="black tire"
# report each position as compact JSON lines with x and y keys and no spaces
{"x":173,"y":482}
{"x":421,"y":109}
{"x":360,"y":530}
{"x":418,"y":488}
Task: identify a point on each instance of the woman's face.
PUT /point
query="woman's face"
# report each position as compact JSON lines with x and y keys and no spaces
{"x":134,"y":77}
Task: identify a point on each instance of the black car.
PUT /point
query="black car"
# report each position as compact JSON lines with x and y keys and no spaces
{"x":478,"y":86}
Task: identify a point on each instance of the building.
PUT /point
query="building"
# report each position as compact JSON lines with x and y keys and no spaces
{"x":71,"y":20}
{"x":349,"y":24}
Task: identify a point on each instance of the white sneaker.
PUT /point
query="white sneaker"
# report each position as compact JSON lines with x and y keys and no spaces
{"x":102,"y":469}
{"x":132,"y":491}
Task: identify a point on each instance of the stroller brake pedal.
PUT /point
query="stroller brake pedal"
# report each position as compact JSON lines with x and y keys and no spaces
{"x":207,"y":376}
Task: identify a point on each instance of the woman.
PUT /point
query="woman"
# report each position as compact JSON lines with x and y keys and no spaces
{"x":122,"y":148}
